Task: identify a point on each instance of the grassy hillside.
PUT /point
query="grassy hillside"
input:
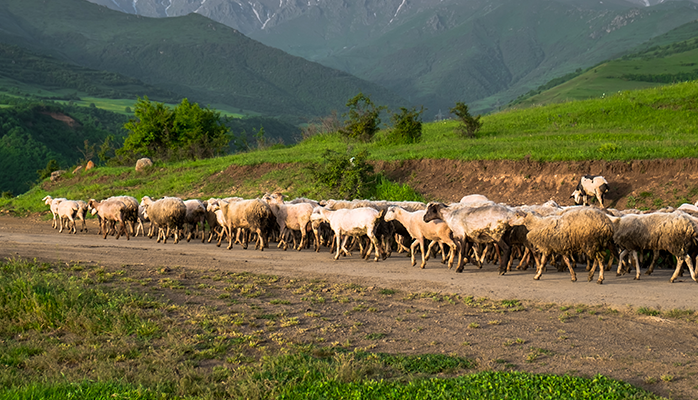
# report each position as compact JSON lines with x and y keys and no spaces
{"x":646,"y":124}
{"x":667,"y":59}
{"x":191,"y":56}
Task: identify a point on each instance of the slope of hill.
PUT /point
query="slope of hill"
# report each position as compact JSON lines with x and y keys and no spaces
{"x":519,"y":156}
{"x":33,"y":133}
{"x":191,"y":56}
{"x":437,"y":52}
{"x":667,"y":59}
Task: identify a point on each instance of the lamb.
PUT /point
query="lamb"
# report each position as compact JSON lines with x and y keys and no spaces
{"x":352,"y":222}
{"x":110,"y":212}
{"x":487,"y":223}
{"x":293,"y":217}
{"x":53,"y":206}
{"x":68,"y":209}
{"x":168,"y":214}
{"x":674,"y":232}
{"x":590,"y":186}
{"x":437,"y":231}
{"x":577,"y":230}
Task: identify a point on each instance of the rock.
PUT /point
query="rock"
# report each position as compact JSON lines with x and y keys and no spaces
{"x":143,"y":163}
{"x":89,"y":165}
{"x":57,"y":174}
{"x":77,"y":169}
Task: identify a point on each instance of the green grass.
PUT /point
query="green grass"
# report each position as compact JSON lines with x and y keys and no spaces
{"x":78,"y":332}
{"x":645,"y":124}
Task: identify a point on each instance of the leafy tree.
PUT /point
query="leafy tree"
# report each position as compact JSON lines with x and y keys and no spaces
{"x":469,"y":124}
{"x":363,"y":118}
{"x":187,"y":132}
{"x":407,"y":126}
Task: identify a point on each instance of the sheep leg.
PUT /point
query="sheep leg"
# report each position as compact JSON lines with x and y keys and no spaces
{"x":539,"y":267}
{"x":412,"y":250}
{"x":679,"y":263}
{"x":452,"y":255}
{"x":655,"y":256}
{"x":425,"y":257}
{"x":569,"y":265}
{"x":691,"y":268}
{"x":637,"y":265}
{"x":598,"y":261}
{"x":343,"y":246}
{"x":505,"y":250}
{"x":377,"y":245}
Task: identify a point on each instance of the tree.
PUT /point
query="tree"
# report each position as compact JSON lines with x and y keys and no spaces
{"x":187,"y":132}
{"x":469,"y":124}
{"x":407,"y":125}
{"x":363,"y":118}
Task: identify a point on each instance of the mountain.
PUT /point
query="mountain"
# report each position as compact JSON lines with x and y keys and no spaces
{"x":666,"y":59}
{"x":437,"y":52}
{"x":190,"y":56}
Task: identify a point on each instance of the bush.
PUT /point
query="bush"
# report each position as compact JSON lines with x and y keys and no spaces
{"x":344,"y":176}
{"x":407,"y":126}
{"x":363,"y":118}
{"x":469,"y":124}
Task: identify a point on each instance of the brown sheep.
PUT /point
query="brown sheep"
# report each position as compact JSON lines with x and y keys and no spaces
{"x":578,"y":230}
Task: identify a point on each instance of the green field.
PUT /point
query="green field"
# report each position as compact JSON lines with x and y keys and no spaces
{"x":73,"y":331}
{"x":647,"y":124}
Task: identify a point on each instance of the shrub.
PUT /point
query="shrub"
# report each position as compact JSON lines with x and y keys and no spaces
{"x":363,"y":118}
{"x":469,"y":125}
{"x":407,"y":126}
{"x":345,"y":176}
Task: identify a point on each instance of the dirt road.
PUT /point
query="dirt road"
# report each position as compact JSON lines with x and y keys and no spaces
{"x":32,"y":238}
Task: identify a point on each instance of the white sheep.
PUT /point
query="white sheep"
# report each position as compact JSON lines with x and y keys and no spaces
{"x":53,"y":206}
{"x":67,"y":209}
{"x":291,"y":217}
{"x":351,"y":222}
{"x":590,"y":186}
{"x":480,"y":224}
{"x":437,"y":231}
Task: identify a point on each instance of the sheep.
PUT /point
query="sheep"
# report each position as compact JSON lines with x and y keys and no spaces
{"x":293,"y":217}
{"x":577,"y":230}
{"x":142,"y":217}
{"x":254,"y":214}
{"x":110,"y":212}
{"x":167,"y":213}
{"x":590,"y":186}
{"x":131,"y":214}
{"x":53,"y":206}
{"x":437,"y":231}
{"x":481,"y":224}
{"x":82,"y":213}
{"x":196,"y":215}
{"x":674,"y":232}
{"x":67,"y":209}
{"x":473,"y":199}
{"x":354,"y":222}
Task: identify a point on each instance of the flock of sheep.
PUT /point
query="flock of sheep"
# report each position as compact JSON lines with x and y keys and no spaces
{"x":475,"y":229}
